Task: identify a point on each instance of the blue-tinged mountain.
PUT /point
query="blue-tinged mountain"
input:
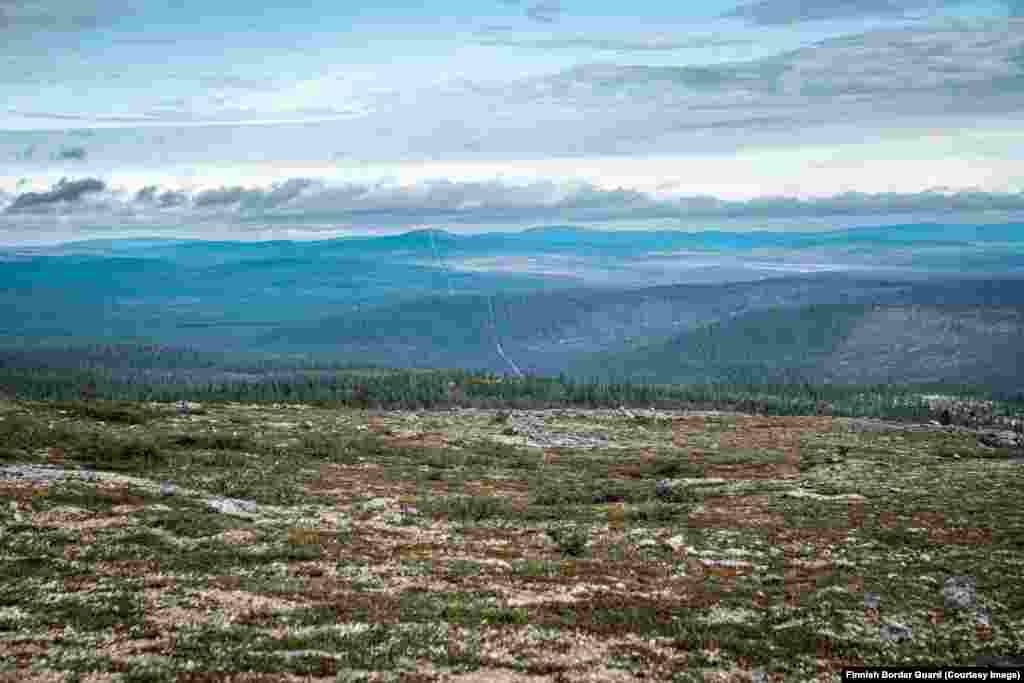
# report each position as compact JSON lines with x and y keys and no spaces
{"x":547,"y":332}
{"x":844,"y":344}
{"x":430,"y":298}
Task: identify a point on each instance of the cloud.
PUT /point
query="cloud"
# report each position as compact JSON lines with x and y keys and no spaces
{"x":223,"y":197}
{"x":80,"y":117}
{"x":210,"y":110}
{"x":70,"y":154}
{"x":855,"y":203}
{"x":63,"y":191}
{"x":151,"y":194}
{"x":542,"y":200}
{"x":545,"y":11}
{"x":652,"y":44}
{"x":253,"y":198}
{"x":146,"y":194}
{"x":549,"y":200}
{"x":930,"y":77}
{"x":316,"y":205}
{"x":783,"y":12}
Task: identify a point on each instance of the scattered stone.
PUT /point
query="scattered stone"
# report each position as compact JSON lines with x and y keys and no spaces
{"x":664,"y":488}
{"x":726,"y":564}
{"x":894,"y":632}
{"x":801,"y":493}
{"x":233,"y":506}
{"x":667,"y":488}
{"x":602,"y":498}
{"x":872,"y":600}
{"x":189,"y":408}
{"x":36,"y":473}
{"x":959,"y":592}
{"x":1000,"y":439}
{"x":299,"y":654}
{"x":539,"y":435}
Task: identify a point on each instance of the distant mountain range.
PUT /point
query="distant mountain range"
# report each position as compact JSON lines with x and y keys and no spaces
{"x":903,"y":302}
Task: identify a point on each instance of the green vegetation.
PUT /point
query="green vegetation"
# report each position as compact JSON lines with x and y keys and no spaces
{"x":351,"y":560}
{"x":57,"y":375}
{"x":838,"y":344}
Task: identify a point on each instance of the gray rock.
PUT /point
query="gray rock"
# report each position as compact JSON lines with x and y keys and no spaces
{"x":664,"y":488}
{"x":1000,"y":439}
{"x":603,"y":498}
{"x":233,"y":506}
{"x":38,"y":473}
{"x":189,"y":408}
{"x":959,"y":592}
{"x":168,"y":489}
{"x":872,"y":600}
{"x":758,"y":676}
{"x":894,"y":632}
{"x":983,"y":617}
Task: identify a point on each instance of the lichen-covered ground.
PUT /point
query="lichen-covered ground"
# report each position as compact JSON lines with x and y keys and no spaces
{"x":249,"y":542}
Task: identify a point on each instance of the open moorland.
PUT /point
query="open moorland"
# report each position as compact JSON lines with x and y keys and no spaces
{"x":248,"y":542}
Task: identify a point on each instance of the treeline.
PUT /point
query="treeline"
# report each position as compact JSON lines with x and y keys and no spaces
{"x":411,"y":390}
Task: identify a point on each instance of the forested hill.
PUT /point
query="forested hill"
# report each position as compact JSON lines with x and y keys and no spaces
{"x":842,"y":344}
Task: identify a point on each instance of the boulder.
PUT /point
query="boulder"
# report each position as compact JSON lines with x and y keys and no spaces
{"x":894,"y":632}
{"x":999,"y":439}
{"x":233,"y":506}
{"x":959,"y":592}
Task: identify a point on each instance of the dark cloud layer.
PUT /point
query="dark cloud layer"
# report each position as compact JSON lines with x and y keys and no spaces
{"x":363,"y":205}
{"x":782,"y":12}
{"x":855,"y":203}
{"x":63,"y":191}
{"x":71,"y":154}
{"x":151,"y":195}
{"x":489,"y":201}
{"x":253,"y":199}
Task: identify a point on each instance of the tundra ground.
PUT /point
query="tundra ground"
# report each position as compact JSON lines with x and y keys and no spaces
{"x":285,"y":542}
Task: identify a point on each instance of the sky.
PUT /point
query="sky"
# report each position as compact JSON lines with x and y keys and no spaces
{"x":255,"y":120}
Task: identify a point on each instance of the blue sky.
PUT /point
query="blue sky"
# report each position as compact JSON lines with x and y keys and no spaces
{"x":255,"y":120}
